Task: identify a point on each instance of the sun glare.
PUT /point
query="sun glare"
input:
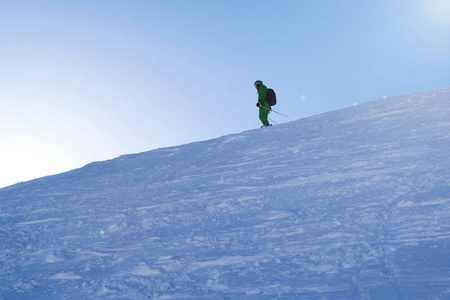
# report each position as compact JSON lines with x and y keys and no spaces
{"x":28,"y":159}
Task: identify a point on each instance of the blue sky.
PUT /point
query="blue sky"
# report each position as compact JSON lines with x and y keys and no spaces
{"x":84,"y":81}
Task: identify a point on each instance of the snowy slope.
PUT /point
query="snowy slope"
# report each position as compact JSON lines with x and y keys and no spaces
{"x":351,"y":204}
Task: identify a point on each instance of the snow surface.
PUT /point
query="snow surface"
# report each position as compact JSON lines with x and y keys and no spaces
{"x":351,"y":204}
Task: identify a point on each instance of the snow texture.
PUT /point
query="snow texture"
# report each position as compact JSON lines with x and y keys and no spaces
{"x":351,"y":204}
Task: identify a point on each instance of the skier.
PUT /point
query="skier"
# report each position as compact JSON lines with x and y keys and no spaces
{"x":264,"y":107}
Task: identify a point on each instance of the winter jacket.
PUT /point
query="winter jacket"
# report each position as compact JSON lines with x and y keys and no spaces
{"x":262,"y":93}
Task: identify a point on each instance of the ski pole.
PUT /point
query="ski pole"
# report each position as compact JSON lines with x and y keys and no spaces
{"x":272,"y":121}
{"x":274,"y":111}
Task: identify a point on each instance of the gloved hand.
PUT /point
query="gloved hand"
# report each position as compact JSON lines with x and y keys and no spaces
{"x":258,"y":104}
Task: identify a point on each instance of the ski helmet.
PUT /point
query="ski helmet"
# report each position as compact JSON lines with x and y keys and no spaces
{"x":258,"y":82}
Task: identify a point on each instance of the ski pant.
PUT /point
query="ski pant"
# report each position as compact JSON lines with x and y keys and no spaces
{"x":263,"y":115}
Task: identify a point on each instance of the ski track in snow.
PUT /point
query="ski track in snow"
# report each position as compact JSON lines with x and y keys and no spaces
{"x":351,"y":204}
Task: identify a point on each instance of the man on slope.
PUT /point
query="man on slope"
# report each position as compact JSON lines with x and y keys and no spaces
{"x":264,"y":107}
